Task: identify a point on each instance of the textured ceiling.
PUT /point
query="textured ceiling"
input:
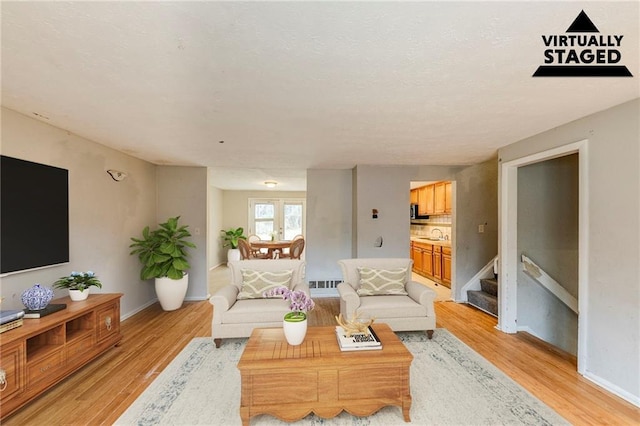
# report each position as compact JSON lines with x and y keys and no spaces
{"x":298,"y":85}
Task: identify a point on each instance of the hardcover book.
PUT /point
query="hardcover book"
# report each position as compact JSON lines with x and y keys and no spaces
{"x":10,"y":315}
{"x":49,"y":309}
{"x":11,"y":325}
{"x":358,"y":341}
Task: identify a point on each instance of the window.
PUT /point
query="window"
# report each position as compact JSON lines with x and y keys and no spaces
{"x":280,"y":219}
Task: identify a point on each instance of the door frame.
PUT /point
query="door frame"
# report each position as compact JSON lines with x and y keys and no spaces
{"x":279,"y":202}
{"x":508,"y":240}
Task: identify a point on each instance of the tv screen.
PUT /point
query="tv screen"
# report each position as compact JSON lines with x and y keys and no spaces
{"x":34,"y":215}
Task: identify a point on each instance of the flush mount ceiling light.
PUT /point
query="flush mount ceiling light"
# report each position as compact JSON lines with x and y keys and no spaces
{"x":271,"y":184}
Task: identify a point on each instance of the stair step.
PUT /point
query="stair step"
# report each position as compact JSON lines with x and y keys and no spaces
{"x":482,"y":300}
{"x":489,"y":285}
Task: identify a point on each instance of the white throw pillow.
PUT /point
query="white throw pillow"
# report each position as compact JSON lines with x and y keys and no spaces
{"x":376,"y":282}
{"x":256,"y":283}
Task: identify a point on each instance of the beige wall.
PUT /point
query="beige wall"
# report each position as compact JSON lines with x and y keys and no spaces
{"x":182,"y":191}
{"x":103,"y":214}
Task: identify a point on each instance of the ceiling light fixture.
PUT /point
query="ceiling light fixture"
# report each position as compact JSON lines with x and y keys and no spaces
{"x":271,"y":184}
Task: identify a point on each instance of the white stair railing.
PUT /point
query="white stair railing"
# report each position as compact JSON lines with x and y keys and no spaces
{"x":540,"y":276}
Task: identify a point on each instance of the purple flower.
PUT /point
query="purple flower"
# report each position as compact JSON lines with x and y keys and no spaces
{"x":300,"y":301}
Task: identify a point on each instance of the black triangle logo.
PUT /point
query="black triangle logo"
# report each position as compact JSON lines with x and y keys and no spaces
{"x":582,"y":24}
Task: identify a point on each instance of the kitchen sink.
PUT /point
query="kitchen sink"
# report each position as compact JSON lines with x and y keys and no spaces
{"x":431,"y":239}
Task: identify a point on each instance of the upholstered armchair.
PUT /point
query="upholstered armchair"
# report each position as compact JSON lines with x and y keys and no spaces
{"x":239,"y":306}
{"x":382,"y":289}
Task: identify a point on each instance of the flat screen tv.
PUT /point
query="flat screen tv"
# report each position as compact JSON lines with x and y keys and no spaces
{"x":34,"y":215}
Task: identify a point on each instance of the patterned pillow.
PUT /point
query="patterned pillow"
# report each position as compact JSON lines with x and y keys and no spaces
{"x":255,"y":283}
{"x":375,"y":282}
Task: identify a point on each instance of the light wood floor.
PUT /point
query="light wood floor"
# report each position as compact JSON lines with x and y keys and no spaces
{"x":101,"y":391}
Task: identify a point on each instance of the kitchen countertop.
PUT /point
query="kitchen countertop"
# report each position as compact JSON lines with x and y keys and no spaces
{"x":425,"y":240}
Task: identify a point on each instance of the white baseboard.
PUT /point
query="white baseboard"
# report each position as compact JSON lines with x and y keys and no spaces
{"x":614,"y":389}
{"x":140,"y":308}
{"x":599,"y":381}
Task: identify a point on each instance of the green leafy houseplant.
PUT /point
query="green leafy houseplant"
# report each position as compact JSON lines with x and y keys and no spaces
{"x":232,"y":236}
{"x":163,"y":252}
{"x":78,"y":281}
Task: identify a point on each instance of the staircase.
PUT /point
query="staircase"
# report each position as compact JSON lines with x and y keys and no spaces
{"x":485,"y":299}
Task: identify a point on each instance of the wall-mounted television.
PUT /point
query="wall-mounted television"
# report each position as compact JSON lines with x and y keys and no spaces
{"x":34,"y":215}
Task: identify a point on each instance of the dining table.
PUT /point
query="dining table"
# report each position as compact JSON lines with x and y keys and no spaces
{"x":273,"y":247}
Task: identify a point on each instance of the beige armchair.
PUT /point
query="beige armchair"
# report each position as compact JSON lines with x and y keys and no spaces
{"x":387,"y":293}
{"x":235,"y":316}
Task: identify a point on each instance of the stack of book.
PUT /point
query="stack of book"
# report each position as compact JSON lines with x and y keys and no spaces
{"x":49,"y":309}
{"x":367,"y":341}
{"x":10,"y":319}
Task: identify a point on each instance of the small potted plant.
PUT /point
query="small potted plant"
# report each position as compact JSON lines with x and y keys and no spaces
{"x":294,"y":323}
{"x":163,"y":254}
{"x":78,"y":284}
{"x":230,"y":238}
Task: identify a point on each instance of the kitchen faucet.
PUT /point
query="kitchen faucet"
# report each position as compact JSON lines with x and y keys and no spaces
{"x":439,"y":230}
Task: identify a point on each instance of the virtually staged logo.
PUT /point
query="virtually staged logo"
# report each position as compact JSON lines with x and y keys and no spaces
{"x":581,"y":53}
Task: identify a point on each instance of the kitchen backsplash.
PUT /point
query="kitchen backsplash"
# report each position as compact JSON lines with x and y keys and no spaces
{"x":426,"y":227}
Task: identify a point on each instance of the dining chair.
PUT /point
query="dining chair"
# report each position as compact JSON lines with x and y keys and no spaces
{"x":295,"y":249}
{"x":256,"y":252}
{"x":245,"y":249}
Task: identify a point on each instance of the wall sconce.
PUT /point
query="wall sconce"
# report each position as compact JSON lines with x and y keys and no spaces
{"x":117,"y":175}
{"x":271,"y":184}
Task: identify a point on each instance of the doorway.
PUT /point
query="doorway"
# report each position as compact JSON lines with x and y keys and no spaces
{"x":510,"y":252}
{"x":276,"y":219}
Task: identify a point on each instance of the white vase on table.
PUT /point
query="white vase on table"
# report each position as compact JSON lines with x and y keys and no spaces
{"x":294,"y":326}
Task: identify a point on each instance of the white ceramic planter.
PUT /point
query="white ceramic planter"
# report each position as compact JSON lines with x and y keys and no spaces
{"x":77,"y":295}
{"x":294,"y":331}
{"x":171,"y":293}
{"x":233,"y":254}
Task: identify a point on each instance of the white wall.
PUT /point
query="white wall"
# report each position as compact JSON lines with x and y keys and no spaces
{"x":387,"y":190}
{"x":182,"y":191}
{"x":103,"y":214}
{"x":548,"y":234}
{"x":476,"y":192}
{"x":329,"y":223}
{"x":612,"y":284}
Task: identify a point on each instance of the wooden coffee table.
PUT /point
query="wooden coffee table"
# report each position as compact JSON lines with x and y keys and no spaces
{"x":290,"y":382}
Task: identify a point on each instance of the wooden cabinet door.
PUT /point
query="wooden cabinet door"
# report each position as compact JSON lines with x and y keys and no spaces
{"x":417,"y":259}
{"x":414,"y":196}
{"x":12,"y":361}
{"x":447,"y":197}
{"x":427,"y":260}
{"x":446,"y":268}
{"x":439,"y":195}
{"x":425,"y":200}
{"x":437,"y":262}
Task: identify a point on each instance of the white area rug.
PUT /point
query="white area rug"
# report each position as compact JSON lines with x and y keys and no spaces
{"x":450,"y":385}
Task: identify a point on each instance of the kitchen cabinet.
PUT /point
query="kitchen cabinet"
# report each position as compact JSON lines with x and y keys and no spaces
{"x":414,"y":196}
{"x":427,"y":259}
{"x":416,"y":256}
{"x":425,"y":200}
{"x":432,"y":261}
{"x":446,"y":266}
{"x":439,"y":201}
{"x":447,"y":198}
{"x":437,"y":262}
{"x":433,"y":199}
